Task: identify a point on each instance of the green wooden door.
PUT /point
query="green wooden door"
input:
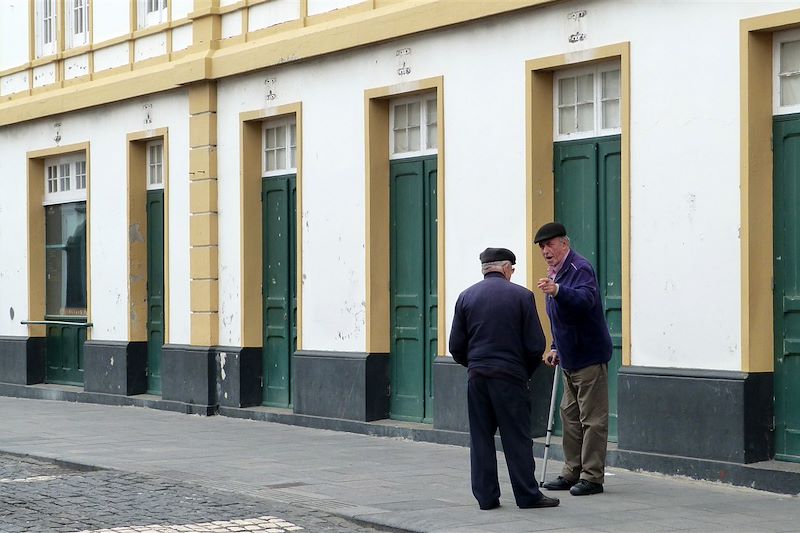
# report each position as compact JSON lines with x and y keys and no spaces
{"x":155,"y":288}
{"x":588,"y":202}
{"x":279,"y":287}
{"x":413,"y":286}
{"x":65,"y":292}
{"x":786,"y":203}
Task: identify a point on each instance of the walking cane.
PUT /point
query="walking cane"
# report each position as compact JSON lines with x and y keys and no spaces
{"x":550,"y":423}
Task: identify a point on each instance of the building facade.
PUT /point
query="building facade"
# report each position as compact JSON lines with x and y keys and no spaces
{"x":267,"y":208}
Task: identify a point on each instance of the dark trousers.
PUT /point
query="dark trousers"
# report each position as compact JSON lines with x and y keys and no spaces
{"x":497,"y":403}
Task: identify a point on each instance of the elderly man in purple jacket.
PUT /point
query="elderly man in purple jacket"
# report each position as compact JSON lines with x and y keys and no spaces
{"x":497,"y":335}
{"x":582,"y":346}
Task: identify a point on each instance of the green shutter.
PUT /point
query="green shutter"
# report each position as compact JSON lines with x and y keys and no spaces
{"x":155,"y":288}
{"x":279,"y":288}
{"x":786,"y":191}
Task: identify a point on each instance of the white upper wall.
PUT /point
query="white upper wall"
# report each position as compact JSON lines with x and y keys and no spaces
{"x":110,"y":19}
{"x":13,"y":29}
{"x":105,"y":128}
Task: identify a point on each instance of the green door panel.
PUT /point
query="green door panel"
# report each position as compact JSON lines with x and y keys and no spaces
{"x":413,"y":286}
{"x":588,"y":189}
{"x":786,"y":202}
{"x":155,"y":288}
{"x":279,"y":288}
{"x":65,"y":353}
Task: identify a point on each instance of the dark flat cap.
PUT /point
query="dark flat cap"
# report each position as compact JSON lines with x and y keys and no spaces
{"x":550,"y":230}
{"x":490,"y":255}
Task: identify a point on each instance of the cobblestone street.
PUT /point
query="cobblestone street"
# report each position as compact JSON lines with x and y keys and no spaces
{"x":45,"y":497}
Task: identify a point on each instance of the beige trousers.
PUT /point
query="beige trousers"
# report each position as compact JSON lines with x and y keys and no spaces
{"x":584,"y":415}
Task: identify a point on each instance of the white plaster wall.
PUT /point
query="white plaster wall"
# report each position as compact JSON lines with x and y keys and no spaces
{"x":321,"y":6}
{"x":14,"y":29}
{"x":110,"y":57}
{"x":271,"y":13}
{"x":685,"y":248}
{"x":111,"y":18}
{"x":14,"y":83}
{"x":181,"y":37}
{"x":76,"y":66}
{"x":44,"y":75}
{"x":150,"y":46}
{"x":231,"y":24}
{"x":181,"y":8}
{"x":105,"y":128}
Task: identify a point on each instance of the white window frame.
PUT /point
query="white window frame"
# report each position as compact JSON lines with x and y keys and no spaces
{"x":290,"y":122}
{"x":779,"y":38}
{"x":155,"y":168}
{"x":45,"y":27}
{"x":70,"y":179}
{"x":597,"y":80}
{"x":427,"y":146}
{"x":152,"y":12}
{"x":77,"y":22}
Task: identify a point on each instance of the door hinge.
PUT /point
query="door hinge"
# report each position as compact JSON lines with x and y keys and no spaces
{"x":773,"y":424}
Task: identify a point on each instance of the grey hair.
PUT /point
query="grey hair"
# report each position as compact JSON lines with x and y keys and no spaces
{"x":494,"y":266}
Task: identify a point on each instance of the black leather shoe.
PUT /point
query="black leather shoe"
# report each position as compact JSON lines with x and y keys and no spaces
{"x":560,"y":483}
{"x":494,"y":505}
{"x":544,"y":501}
{"x":585,"y":487}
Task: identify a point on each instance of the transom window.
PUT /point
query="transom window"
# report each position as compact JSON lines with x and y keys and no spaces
{"x":152,"y":12}
{"x":413,"y":126}
{"x":587,"y":102}
{"x":65,"y":179}
{"x":155,"y":165}
{"x":77,"y":22}
{"x":786,"y":72}
{"x":280,"y":147}
{"x":45,"y":27}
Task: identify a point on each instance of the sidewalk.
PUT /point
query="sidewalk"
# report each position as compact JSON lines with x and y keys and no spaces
{"x":395,"y":483}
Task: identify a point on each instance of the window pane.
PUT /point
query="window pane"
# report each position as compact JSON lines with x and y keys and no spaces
{"x":566,"y":91}
{"x":270,"y":159}
{"x":280,"y":136}
{"x":52,"y":179}
{"x":790,"y":57}
{"x":400,"y":141}
{"x":400,"y":117}
{"x":431,"y":112}
{"x":610,"y":84}
{"x":585,"y":117}
{"x":413,"y":139}
{"x":432,"y":133}
{"x":292,"y":157}
{"x":65,"y":287}
{"x":413,"y":114}
{"x":270,"y":136}
{"x":566,"y":120}
{"x":280,"y":156}
{"x":790,"y":90}
{"x":63,"y":170}
{"x":293,"y":135}
{"x":611,"y":114}
{"x":80,"y":175}
{"x":586,"y":88}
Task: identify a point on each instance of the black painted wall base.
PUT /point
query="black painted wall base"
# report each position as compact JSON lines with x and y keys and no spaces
{"x":238,"y":376}
{"x":344,"y":385}
{"x":22,"y":360}
{"x":115,"y":367}
{"x":718,"y":415}
{"x":188,"y":375}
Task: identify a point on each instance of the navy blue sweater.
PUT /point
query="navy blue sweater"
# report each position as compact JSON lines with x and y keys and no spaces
{"x":496,"y":330}
{"x":577,"y":320}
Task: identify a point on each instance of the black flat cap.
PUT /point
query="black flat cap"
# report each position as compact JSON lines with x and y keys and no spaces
{"x":490,"y":255}
{"x":550,"y":230}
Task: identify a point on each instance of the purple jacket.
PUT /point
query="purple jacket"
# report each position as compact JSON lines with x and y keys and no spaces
{"x":577,"y":320}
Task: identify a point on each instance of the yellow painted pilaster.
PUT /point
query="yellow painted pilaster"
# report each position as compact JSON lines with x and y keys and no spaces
{"x":203,"y":220}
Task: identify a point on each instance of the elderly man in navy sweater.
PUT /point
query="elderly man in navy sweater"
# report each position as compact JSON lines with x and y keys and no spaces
{"x":582,"y":346}
{"x":497,"y":335}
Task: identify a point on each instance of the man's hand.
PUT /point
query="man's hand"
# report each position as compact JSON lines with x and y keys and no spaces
{"x":550,"y":358}
{"x":548,"y":286}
